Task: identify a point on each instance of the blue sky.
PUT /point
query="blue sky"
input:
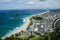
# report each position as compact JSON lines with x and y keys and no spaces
{"x":29,"y":4}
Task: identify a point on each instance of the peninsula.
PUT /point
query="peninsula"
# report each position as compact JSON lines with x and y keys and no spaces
{"x":39,"y":27}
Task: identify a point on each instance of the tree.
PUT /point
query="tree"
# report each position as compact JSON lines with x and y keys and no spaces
{"x":0,"y":39}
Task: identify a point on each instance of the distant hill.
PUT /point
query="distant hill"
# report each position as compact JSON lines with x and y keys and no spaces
{"x":54,"y":10}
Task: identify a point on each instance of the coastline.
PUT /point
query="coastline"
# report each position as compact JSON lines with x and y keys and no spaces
{"x":22,"y":27}
{"x":19,"y":29}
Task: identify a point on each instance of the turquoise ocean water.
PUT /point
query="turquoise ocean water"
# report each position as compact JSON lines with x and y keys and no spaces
{"x":7,"y":24}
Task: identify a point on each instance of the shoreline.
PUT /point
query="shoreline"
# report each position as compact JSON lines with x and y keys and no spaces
{"x":23,"y":26}
{"x":18,"y":29}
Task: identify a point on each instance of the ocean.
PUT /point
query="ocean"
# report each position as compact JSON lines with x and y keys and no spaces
{"x":57,"y":23}
{"x":11,"y":19}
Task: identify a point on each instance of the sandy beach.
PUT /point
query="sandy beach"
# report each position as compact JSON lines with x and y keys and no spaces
{"x":22,"y":27}
{"x":18,"y":29}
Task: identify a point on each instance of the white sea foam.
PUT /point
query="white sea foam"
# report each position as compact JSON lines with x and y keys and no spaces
{"x":22,"y":27}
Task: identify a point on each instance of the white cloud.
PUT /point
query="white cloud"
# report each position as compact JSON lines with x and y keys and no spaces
{"x":52,"y":4}
{"x":30,"y":3}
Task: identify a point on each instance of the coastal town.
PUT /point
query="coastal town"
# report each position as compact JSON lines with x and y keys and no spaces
{"x":39,"y":27}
